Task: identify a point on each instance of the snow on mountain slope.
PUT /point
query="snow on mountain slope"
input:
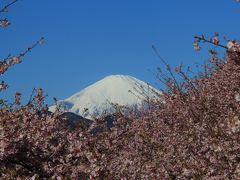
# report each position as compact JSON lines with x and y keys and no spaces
{"x":116,"y":89}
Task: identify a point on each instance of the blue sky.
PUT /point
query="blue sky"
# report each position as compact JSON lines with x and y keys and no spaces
{"x":88,"y":40}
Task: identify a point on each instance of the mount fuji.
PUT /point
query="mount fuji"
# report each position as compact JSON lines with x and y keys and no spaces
{"x":123,"y":90}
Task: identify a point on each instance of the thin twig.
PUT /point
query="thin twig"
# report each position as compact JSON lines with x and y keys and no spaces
{"x":4,"y":9}
{"x":33,"y":46}
{"x":167,"y":66}
{"x":31,"y":96}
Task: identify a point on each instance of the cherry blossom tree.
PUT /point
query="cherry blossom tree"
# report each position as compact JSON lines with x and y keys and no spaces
{"x":193,"y":133}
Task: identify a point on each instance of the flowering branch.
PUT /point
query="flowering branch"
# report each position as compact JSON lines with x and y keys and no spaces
{"x":214,"y":41}
{"x":12,"y":60}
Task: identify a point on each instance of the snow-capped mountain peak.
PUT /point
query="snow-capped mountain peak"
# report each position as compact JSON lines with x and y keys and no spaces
{"x":97,"y":98}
